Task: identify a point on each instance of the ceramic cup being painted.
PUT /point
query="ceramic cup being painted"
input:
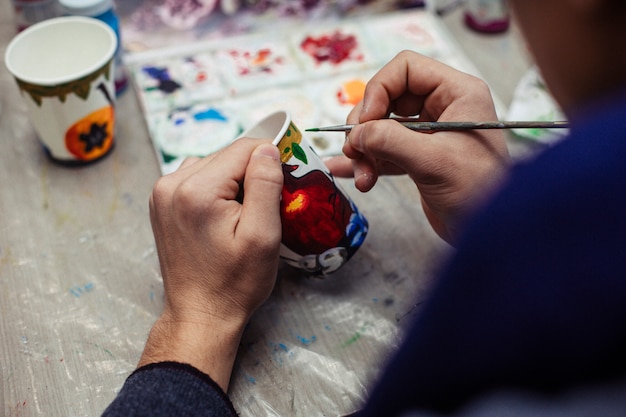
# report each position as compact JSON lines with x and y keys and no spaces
{"x":322,"y":227}
{"x":64,"y":70}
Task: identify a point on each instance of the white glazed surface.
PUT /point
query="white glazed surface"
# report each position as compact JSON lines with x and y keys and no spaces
{"x":273,"y":126}
{"x":60,"y":50}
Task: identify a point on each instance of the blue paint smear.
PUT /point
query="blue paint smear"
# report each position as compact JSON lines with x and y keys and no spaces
{"x":77,"y":291}
{"x":158,"y":73}
{"x":306,"y":341}
{"x":210,"y":114}
{"x":279,"y":352}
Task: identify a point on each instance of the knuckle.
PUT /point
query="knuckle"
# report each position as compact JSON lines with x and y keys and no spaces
{"x":247,"y":143}
{"x":265,"y":173}
{"x":193,"y":209}
{"x":376,"y":135}
{"x":406,"y":54}
{"x":187,"y":201}
{"x":477,"y":85}
{"x":262,"y":241}
{"x":481,"y":86}
{"x":273,"y":177}
{"x":161,"y":192}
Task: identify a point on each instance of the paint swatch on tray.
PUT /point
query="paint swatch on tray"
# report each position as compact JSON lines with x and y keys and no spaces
{"x":333,"y":50}
{"x":417,"y":32}
{"x":257,"y":65}
{"x":196,"y":130}
{"x":340,"y":94}
{"x":176,"y":81}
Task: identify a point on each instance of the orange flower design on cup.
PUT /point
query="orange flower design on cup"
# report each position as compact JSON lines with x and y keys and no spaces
{"x":92,"y":136}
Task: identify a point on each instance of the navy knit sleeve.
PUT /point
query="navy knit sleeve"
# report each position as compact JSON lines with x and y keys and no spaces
{"x":170,"y":389}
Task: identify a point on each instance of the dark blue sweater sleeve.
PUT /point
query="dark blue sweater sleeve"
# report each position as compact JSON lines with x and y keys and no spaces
{"x":170,"y":389}
{"x":534,"y":297}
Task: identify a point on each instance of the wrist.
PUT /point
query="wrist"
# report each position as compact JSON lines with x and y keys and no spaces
{"x":211,"y":347}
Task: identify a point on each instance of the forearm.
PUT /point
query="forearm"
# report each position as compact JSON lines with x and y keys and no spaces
{"x":209,"y":347}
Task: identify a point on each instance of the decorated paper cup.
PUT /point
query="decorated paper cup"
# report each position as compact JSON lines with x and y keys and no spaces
{"x":64,"y":70}
{"x":322,"y":227}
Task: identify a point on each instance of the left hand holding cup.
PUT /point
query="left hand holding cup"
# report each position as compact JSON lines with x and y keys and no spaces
{"x":218,"y":256}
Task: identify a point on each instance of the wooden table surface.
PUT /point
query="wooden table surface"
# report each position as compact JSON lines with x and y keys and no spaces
{"x":80,"y":285}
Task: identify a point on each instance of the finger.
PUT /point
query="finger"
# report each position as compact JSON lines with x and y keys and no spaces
{"x":340,"y":166}
{"x":413,"y":84}
{"x":389,"y":84}
{"x":191,"y":165}
{"x":187,"y":162}
{"x":214,"y":185}
{"x":260,"y":215}
{"x":363,"y":169}
{"x":390,"y":143}
{"x":231,"y":163}
{"x":354,"y":115}
{"x":365,"y":173}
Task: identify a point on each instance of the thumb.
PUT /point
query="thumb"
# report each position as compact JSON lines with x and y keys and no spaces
{"x":262,"y":187}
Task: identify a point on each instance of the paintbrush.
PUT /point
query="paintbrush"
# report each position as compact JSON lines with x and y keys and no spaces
{"x":449,"y":126}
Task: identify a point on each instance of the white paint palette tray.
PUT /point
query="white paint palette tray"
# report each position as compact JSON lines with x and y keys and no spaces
{"x":197,"y":98}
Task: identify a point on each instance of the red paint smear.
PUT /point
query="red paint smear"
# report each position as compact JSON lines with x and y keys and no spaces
{"x":315,"y":214}
{"x":260,"y":61}
{"x":334,"y":48}
{"x":261,"y":57}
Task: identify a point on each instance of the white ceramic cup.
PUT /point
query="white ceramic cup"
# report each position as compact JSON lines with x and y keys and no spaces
{"x":64,"y":70}
{"x":322,"y":227}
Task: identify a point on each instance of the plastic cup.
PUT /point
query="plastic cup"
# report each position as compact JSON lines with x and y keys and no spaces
{"x":321,"y":226}
{"x":64,"y":70}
